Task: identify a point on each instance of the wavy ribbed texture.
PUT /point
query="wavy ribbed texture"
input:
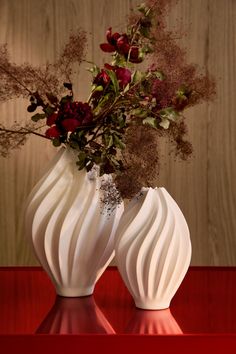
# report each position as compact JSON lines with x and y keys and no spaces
{"x":153,"y":248}
{"x":153,"y":322}
{"x":75,"y":316}
{"x":71,"y":232}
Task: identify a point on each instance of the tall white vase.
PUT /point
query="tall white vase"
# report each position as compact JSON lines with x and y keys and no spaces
{"x":71,"y":231}
{"x":153,"y":248}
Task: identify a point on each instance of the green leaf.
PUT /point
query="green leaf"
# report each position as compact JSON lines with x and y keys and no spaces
{"x":97,"y":159}
{"x":146,"y":49}
{"x":52,"y":98}
{"x":114,"y":81}
{"x":81,"y":165}
{"x":118,"y":142}
{"x":110,"y":142}
{"x":159,"y":75}
{"x":74,"y":144}
{"x":119,"y":60}
{"x":36,"y":117}
{"x":151,"y":121}
{"x":49,"y":111}
{"x":165,"y":123}
{"x":142,"y":8}
{"x":105,"y":138}
{"x":138,"y":112}
{"x":121,"y":121}
{"x":126,"y":89}
{"x":82,"y":156}
{"x":33,"y":100}
{"x":66,"y":99}
{"x":145,"y":31}
{"x":82,"y":160}
{"x":89,"y":165}
{"x":56,"y":142}
{"x":113,"y":161}
{"x":97,"y":88}
{"x":32,"y":107}
{"x":68,"y":85}
{"x":94,"y":70}
{"x":183,"y":92}
{"x":102,"y":102}
{"x":169,"y":113}
{"x":138,"y":76}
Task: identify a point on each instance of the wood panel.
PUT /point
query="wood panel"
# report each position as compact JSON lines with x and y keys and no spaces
{"x":204,"y":187}
{"x":222,"y":134}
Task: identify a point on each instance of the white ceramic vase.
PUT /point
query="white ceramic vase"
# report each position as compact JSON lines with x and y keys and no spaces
{"x":70,"y":228}
{"x":153,"y":248}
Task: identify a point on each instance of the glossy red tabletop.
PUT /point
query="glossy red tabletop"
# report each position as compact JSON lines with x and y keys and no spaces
{"x":202,"y":316}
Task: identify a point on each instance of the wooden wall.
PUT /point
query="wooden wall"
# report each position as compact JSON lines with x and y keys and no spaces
{"x":204,"y":187}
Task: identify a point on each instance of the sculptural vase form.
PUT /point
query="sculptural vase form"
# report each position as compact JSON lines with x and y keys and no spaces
{"x":70,"y":228}
{"x":153,"y":248}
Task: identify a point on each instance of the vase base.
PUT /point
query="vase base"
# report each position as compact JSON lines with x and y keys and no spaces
{"x":151,"y":305}
{"x":74,"y":292}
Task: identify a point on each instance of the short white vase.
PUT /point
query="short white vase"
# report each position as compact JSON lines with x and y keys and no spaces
{"x":70,"y":228}
{"x":153,"y":248}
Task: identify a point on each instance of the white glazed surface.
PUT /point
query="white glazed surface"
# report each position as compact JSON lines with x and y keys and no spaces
{"x":153,"y":248}
{"x":72,"y":235}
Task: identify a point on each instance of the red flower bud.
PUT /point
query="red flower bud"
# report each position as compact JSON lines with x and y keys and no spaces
{"x":102,"y":79}
{"x":70,"y":125}
{"x":123,"y":75}
{"x":112,"y":38}
{"x":123,"y":44}
{"x":134,"y":55}
{"x":108,"y":48}
{"x":120,"y":43}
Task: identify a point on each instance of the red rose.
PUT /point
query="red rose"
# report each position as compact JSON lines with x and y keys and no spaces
{"x":52,"y":119}
{"x":134,"y":55}
{"x":70,"y":124}
{"x":74,"y":114}
{"x":123,"y":75}
{"x":102,"y":79}
{"x":120,"y":43}
{"x":53,"y":132}
{"x":84,"y":113}
{"x":112,"y":40}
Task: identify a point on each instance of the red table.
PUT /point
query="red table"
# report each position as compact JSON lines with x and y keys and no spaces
{"x":201,"y":319}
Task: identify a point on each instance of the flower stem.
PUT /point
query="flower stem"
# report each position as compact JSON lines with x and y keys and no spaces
{"x":24,"y":131}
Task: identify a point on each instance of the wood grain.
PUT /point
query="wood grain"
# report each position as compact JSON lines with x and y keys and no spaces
{"x":204,"y":188}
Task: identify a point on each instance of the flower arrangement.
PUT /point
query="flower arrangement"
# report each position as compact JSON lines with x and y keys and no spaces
{"x":136,"y":99}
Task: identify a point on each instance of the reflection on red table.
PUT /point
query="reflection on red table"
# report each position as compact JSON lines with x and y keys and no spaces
{"x":203,"y":309}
